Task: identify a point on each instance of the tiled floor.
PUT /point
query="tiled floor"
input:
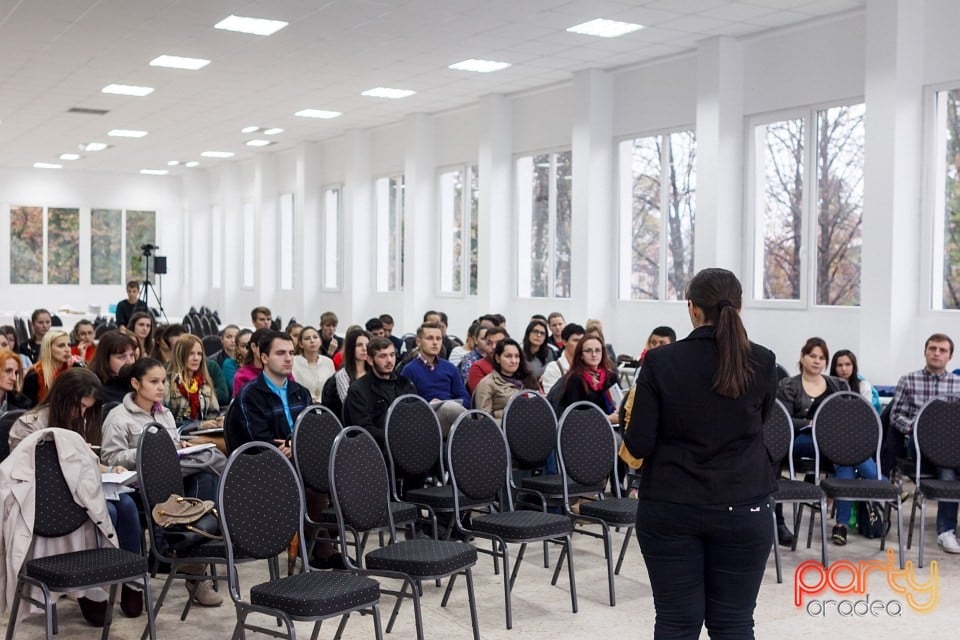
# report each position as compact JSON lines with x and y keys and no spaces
{"x":542,"y":611}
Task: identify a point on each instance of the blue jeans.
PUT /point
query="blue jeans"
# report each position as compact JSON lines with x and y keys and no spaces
{"x":803,"y":445}
{"x":201,"y":485}
{"x":126,"y":520}
{"x":705,"y":564}
{"x":867,"y":470}
{"x":946,"y":511}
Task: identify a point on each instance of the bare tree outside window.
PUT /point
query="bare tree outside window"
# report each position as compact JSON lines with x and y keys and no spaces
{"x":106,"y":231}
{"x":681,"y":215}
{"x":563,"y":224}
{"x":545,"y":216}
{"x":141,"y":230}
{"x":948,"y":103}
{"x":389,"y":230}
{"x":458,"y":227}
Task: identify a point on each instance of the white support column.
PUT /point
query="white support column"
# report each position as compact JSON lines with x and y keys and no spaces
{"x":720,"y":176}
{"x":266,"y":200}
{"x":359,"y":258}
{"x":497,"y":249}
{"x":890,"y":296}
{"x":420,"y":223}
{"x":308,"y":228}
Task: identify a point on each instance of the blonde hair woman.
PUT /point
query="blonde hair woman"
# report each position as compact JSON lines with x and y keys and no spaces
{"x":190,"y":394}
{"x":55,"y":358}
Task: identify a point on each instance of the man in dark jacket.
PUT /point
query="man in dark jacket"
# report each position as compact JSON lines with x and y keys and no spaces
{"x":369,"y":398}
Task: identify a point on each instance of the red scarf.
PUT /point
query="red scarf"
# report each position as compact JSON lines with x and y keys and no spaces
{"x":192,"y":394}
{"x":595,"y":378}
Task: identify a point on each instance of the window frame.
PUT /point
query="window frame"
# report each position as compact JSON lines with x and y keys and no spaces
{"x":338,"y":241}
{"x":286,"y":224}
{"x":248,"y":245}
{"x":384,"y":232}
{"x":469,"y":170}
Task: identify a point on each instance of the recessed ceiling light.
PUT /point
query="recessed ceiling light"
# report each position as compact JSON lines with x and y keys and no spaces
{"x":127,"y":90}
{"x":249,"y":129}
{"x":154,"y":172}
{"x":217,"y":154}
{"x":47,"y":165}
{"x":69,"y":156}
{"x":480,"y":66}
{"x":173,"y":163}
{"x":179,"y":62}
{"x":192,"y":164}
{"x":256,"y":26}
{"x":94,"y":146}
{"x":317,"y":113}
{"x":259,"y":143}
{"x":387,"y":92}
{"x":605,"y":28}
{"x":273,"y":131}
{"x":126,"y":133}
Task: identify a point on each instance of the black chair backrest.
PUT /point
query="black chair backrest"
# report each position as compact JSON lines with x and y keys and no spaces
{"x":846,"y":430}
{"x":359,"y":488}
{"x":531,"y":429}
{"x":158,"y":466}
{"x":478,"y":455}
{"x":313,"y":434}
{"x":935,"y":432}
{"x":261,"y":501}
{"x":778,"y":434}
{"x":587,"y":445}
{"x":234,"y":433}
{"x":211,"y":344}
{"x":56,"y":512}
{"x":7,"y":418}
{"x":413,"y":436}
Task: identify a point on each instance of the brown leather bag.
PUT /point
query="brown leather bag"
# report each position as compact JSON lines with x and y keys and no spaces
{"x":187,"y":522}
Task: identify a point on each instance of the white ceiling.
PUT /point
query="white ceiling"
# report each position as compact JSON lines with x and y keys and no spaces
{"x":58,"y":54}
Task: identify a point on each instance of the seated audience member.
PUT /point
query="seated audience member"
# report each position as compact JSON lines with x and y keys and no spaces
{"x":10,"y":334}
{"x":144,"y":329}
{"x":354,"y":367}
{"x":83,"y":345}
{"x":130,"y":305}
{"x":844,"y":366}
{"x":121,"y":434}
{"x":251,"y":366}
{"x":230,"y":365}
{"x":591,"y":377}
{"x":556,"y":323}
{"x":456,"y":356}
{"x":293,"y":330}
{"x":510,"y":375}
{"x":338,"y":356}
{"x":190,"y":394}
{"x":659,"y":337}
{"x":166,"y":339}
{"x":913,"y":391}
{"x":478,"y":351}
{"x":261,"y":318}
{"x":374,"y":327}
{"x":54,"y":359}
{"x":536,"y":352}
{"x":369,"y":398}
{"x":74,"y":404}
{"x":441,"y":319}
{"x":437,"y":381}
{"x":40,"y":323}
{"x":228,"y":347}
{"x":388,"y":325}
{"x":266,"y":409}
{"x":311,"y":368}
{"x":484,"y":366}
{"x":596,"y":327}
{"x":115,"y":351}
{"x":330,"y":342}
{"x":10,"y":376}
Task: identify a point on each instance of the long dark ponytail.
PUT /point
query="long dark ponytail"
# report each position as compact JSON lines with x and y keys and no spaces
{"x":719,"y":294}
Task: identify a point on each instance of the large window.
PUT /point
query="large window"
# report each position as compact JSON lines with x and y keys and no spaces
{"x":459,"y":211}
{"x":389,"y":192}
{"x":216,"y":246}
{"x":808,"y":192}
{"x":141,"y":229}
{"x":545,"y":215}
{"x":946,"y":293}
{"x":657,"y":187}
{"x":248,"y":243}
{"x":331,"y":238}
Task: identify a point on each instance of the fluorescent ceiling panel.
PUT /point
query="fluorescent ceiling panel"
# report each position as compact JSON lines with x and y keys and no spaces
{"x":480,"y":66}
{"x":387,"y":92}
{"x":605,"y":28}
{"x":179,"y":62}
{"x":126,"y":133}
{"x":318,"y":113}
{"x":127,"y":90}
{"x":255,"y":26}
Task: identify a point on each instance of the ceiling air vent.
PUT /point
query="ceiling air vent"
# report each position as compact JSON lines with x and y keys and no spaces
{"x":89,"y":112}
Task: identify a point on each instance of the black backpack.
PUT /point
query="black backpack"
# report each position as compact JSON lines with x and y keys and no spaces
{"x":870,"y":521}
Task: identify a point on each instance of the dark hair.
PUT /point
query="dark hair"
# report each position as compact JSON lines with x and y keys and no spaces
{"x":810,"y":345}
{"x":440,"y":314}
{"x":63,"y":401}
{"x":854,"y":376}
{"x":329,"y":318}
{"x":428,"y":325}
{"x":543,"y":352}
{"x":570,"y":330}
{"x":718,"y":293}
{"x":269,"y":336}
{"x":139,"y":369}
{"x":257,"y":311}
{"x":148,"y":344}
{"x":133,"y":283}
{"x":578,"y":369}
{"x":255,"y":338}
{"x":386,"y":318}
{"x":538,"y":316}
{"x":236,"y":341}
{"x":523,"y":371}
{"x":374,"y":324}
{"x":349,"y":346}
{"x":111,"y":342}
{"x":376,"y":345}
{"x":939,"y":337}
{"x":162,"y":336}
{"x":227,"y":328}
{"x":496,"y":331}
{"x":555,"y":314}
{"x":665,"y":332}
{"x":74,"y":338}
{"x":297,"y":348}
{"x":37,"y":313}
{"x":498,"y":319}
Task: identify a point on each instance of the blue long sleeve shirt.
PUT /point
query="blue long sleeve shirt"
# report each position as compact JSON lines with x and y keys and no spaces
{"x":440,"y":381}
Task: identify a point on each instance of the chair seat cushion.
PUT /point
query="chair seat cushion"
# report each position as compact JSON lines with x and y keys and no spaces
{"x":440,"y":497}
{"x":523,"y":525}
{"x":859,"y":489}
{"x":88,"y":567}
{"x":552,"y":485}
{"x":940,"y":489}
{"x":611,"y":510}
{"x":316,"y":593}
{"x":794,"y":490}
{"x":403,"y":512}
{"x":424,"y":558}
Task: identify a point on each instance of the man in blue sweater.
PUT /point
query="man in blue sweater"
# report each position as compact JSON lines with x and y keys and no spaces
{"x":437,"y":381}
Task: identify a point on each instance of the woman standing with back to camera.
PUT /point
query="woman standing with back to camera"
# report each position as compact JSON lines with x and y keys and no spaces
{"x":704,"y":515}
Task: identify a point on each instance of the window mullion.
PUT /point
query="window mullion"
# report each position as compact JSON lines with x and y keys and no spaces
{"x":552,"y":227}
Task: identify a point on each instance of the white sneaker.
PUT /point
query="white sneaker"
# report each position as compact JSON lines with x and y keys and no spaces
{"x":948,"y":542}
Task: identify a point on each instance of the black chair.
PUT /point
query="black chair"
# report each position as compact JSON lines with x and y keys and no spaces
{"x":7,"y":418}
{"x":359,"y":488}
{"x":847,"y":431}
{"x":587,"y":451}
{"x":935,"y":441}
{"x":778,"y":440}
{"x":480,"y":468}
{"x":78,"y":570}
{"x":262,"y":509}
{"x":211,"y":344}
